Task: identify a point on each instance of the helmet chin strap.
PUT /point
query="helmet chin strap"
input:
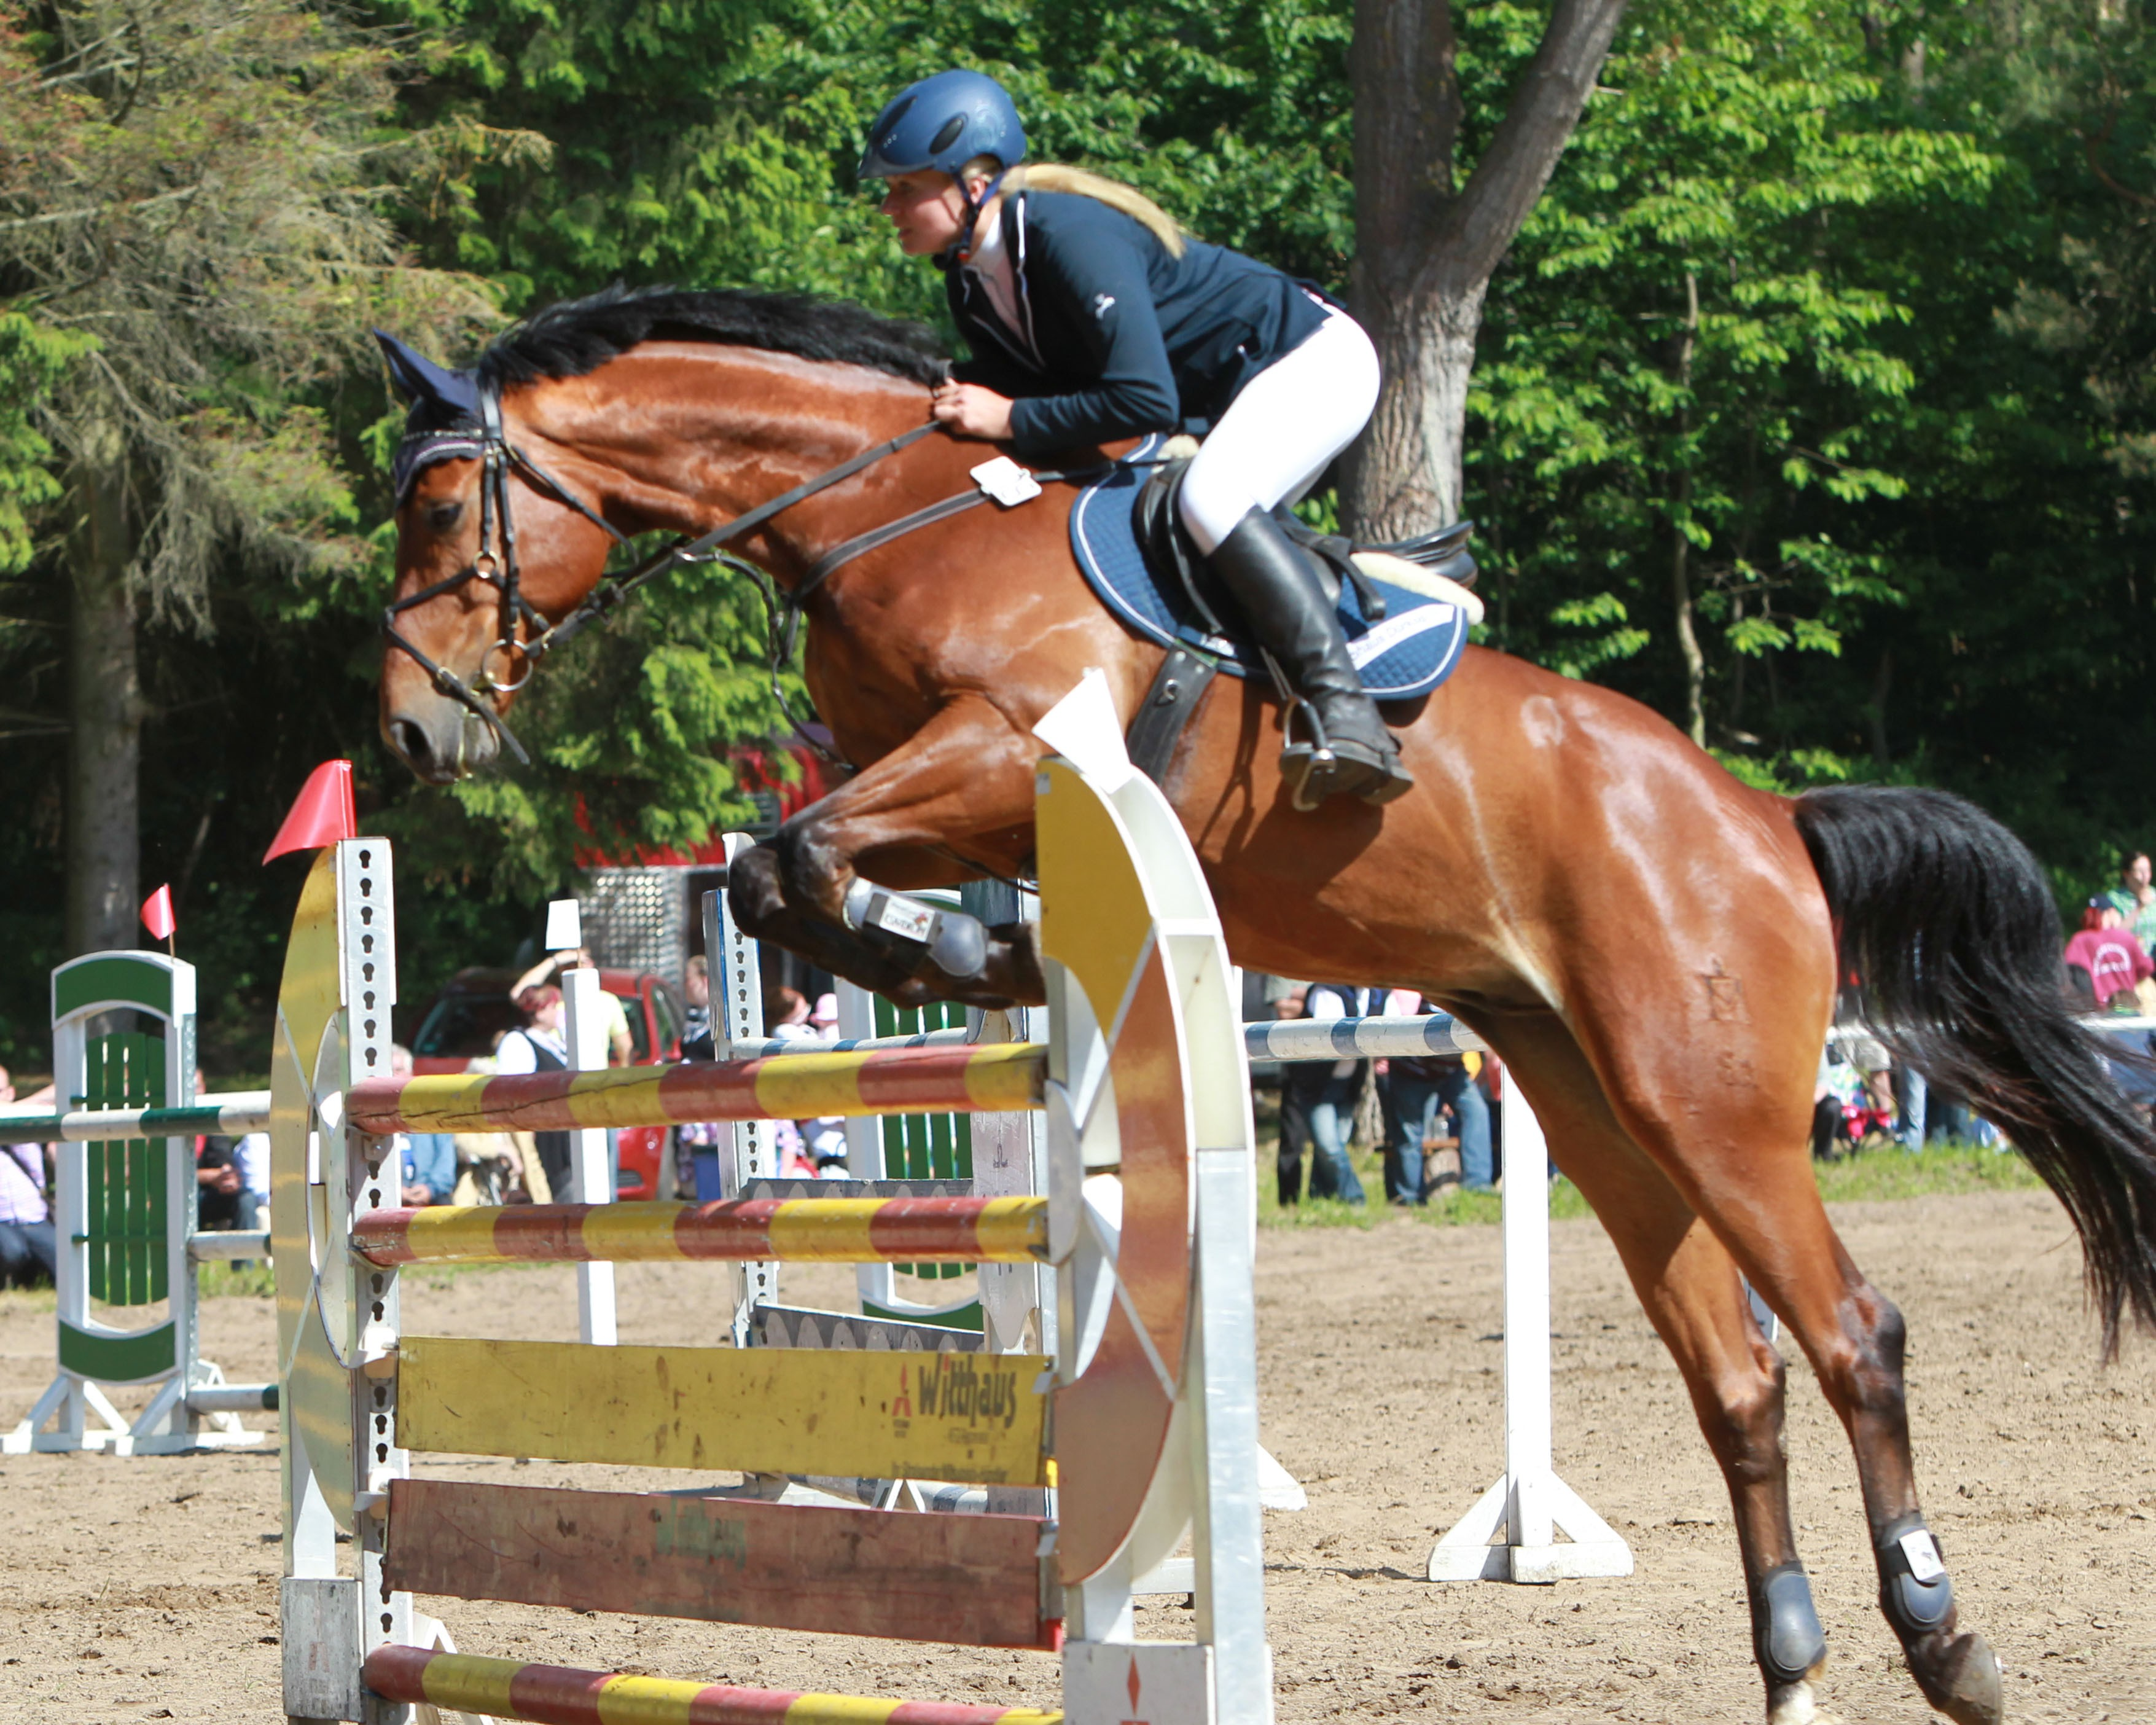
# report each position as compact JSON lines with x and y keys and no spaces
{"x":961,"y":249}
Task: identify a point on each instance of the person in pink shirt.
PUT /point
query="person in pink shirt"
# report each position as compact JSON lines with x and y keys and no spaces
{"x":27,"y":1241}
{"x":2108,"y":952}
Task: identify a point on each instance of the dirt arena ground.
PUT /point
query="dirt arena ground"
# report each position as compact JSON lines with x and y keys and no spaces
{"x":146,"y":1589}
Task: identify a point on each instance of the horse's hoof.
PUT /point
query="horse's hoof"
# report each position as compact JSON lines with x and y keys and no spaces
{"x":1959,"y":1677}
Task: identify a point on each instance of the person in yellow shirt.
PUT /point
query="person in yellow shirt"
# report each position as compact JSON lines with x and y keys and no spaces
{"x":620,"y":1048}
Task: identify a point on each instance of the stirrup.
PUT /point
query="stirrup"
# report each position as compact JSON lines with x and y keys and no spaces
{"x":1302,"y":763}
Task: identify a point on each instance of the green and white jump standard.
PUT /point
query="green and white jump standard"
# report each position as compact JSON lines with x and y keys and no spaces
{"x":1142,"y":1412}
{"x":124,"y":1212}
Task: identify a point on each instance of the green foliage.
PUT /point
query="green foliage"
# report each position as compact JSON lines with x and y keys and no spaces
{"x":1854,"y":307}
{"x":715,"y":143}
{"x":32,"y":358}
{"x":1698,"y":345}
{"x":628,"y":733}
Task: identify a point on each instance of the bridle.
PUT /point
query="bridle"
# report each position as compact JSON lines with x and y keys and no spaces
{"x":498,"y":458}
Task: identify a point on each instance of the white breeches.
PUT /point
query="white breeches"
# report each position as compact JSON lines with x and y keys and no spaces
{"x":1283,"y":430}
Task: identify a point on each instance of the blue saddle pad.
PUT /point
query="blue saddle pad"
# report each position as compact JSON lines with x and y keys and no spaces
{"x":1412,"y":650}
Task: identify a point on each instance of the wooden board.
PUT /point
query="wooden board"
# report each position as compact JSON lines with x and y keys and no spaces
{"x":970,"y":1580}
{"x":977,"y":1417}
{"x":801,"y":1326}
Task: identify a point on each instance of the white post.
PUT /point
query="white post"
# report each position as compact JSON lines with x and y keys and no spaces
{"x":733,"y":962}
{"x":1529,"y":1504}
{"x":591,"y":1179}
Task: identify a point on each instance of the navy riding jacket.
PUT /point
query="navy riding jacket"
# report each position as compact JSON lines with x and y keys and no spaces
{"x":1121,"y":337}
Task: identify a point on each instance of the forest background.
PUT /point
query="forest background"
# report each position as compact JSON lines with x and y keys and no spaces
{"x":1814,"y":405}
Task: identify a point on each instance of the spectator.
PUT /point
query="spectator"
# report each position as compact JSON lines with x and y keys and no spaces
{"x":621,"y":1048}
{"x":2134,"y":899}
{"x":1328,"y":1093}
{"x":696,"y":990}
{"x":252,"y":1153}
{"x":1829,"y":1122}
{"x":1294,"y":1122}
{"x":2113,"y":959}
{"x":219,"y":1187}
{"x":1856,"y":1076}
{"x":826,"y":1134}
{"x":428,"y":1171}
{"x":496,"y":1166}
{"x":786,"y":1019}
{"x":696,"y":1144}
{"x":27,"y":1245}
{"x":1420,"y":1086}
{"x":429,"y":1167}
{"x":538,"y":1048}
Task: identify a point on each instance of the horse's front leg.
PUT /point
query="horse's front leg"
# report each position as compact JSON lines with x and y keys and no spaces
{"x":966,"y":775}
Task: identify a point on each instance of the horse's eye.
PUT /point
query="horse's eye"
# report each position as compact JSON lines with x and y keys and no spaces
{"x":443,"y":516}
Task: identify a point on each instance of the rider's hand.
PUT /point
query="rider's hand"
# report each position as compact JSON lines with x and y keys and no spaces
{"x":971,"y":411}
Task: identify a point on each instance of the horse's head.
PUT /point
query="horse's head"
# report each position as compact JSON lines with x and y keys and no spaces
{"x":488,"y":553}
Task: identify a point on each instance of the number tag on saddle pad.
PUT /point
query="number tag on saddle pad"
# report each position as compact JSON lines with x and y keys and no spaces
{"x":1003,"y":480}
{"x":1923,"y":1551}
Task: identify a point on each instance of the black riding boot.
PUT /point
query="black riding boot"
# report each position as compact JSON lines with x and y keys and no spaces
{"x":1336,"y":742}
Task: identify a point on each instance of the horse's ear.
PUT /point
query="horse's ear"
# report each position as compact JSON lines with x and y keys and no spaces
{"x":419,"y":380}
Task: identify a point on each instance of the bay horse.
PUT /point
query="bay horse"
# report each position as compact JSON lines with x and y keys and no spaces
{"x":1651,"y":946}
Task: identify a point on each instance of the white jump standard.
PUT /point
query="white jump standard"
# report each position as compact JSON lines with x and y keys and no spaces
{"x":123,"y":1211}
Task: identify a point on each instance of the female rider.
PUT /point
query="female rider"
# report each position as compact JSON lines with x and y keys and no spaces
{"x":1090,"y":317}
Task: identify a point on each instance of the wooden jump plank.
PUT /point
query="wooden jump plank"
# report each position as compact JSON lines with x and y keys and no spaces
{"x":830,"y":1230}
{"x":801,"y":1326}
{"x":990,"y":1078}
{"x":970,"y":1417}
{"x":558,"y":1695}
{"x":971,"y":1580}
{"x":798,"y":1187}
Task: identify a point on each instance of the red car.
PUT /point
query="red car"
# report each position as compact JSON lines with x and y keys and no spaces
{"x":469,"y":1017}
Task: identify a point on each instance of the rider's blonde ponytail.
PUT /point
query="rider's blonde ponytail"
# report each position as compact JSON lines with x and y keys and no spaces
{"x":1054,"y":177}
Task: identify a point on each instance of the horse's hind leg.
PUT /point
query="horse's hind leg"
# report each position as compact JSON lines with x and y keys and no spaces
{"x":1693,"y":1295}
{"x":1736,"y":1149}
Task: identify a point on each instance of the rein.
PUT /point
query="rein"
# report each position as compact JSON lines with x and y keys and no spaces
{"x":498,"y":458}
{"x":783,"y":609}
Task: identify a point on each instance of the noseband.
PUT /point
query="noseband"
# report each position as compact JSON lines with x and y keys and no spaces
{"x":498,"y":459}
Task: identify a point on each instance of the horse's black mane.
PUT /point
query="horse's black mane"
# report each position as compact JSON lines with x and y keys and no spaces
{"x":578,"y":335}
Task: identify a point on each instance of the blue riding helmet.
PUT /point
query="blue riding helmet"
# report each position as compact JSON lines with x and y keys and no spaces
{"x":944,"y":122}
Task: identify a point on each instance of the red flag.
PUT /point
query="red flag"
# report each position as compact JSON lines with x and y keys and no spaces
{"x":157,"y":913}
{"x":321,"y":813}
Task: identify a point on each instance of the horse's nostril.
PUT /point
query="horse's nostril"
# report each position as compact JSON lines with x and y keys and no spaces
{"x":409,"y":739}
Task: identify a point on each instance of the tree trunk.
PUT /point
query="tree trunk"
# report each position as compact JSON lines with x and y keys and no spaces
{"x":1424,"y":250}
{"x":105,"y":713}
{"x":1882,"y":685}
{"x":1695,"y":661}
{"x":1407,"y":471}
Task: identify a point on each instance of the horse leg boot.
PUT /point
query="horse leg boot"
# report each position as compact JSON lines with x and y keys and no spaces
{"x":1348,"y":750}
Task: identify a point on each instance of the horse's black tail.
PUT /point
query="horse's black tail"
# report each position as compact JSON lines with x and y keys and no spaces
{"x":1949,"y":926}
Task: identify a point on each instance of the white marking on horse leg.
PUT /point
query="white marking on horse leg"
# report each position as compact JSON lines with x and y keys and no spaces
{"x":1796,"y":1705}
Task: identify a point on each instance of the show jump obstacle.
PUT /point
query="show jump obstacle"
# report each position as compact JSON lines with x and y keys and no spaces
{"x":1511,"y":1533}
{"x":1143,"y":1416}
{"x":124,"y":1056}
{"x":1009,"y":1305}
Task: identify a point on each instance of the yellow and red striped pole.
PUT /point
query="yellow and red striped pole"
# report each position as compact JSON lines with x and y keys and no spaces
{"x":559,"y":1694}
{"x":998,"y":1078}
{"x":796,"y":1231}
